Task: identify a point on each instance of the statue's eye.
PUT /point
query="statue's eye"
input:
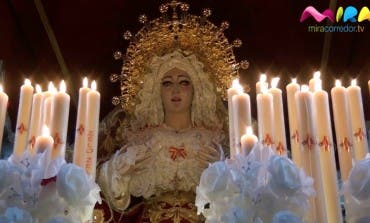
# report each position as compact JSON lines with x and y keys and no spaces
{"x":184,"y":82}
{"x":166,"y":83}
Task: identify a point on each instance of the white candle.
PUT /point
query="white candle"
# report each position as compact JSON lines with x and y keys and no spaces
{"x":241,"y":117}
{"x":368,"y":84}
{"x":291,"y":90}
{"x":342,"y":128}
{"x":36,"y":119}
{"x":279,"y":123}
{"x":310,"y":156}
{"x":3,"y":107}
{"x":248,"y":140}
{"x":48,"y":98}
{"x":312,"y":82}
{"x":44,"y":141}
{"x":80,"y":134}
{"x":356,"y":111}
{"x":59,"y":121}
{"x":92,"y":128}
{"x":234,"y":90}
{"x":321,"y":115}
{"x":265,"y":119}
{"x":23,"y":118}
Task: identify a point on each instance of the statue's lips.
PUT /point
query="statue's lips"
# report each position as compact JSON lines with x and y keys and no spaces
{"x":175,"y":99}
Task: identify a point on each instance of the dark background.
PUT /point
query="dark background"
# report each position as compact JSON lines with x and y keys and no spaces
{"x":88,"y":32}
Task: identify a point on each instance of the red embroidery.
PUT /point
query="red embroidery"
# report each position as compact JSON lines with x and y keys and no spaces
{"x":81,"y":129}
{"x":267,"y":140}
{"x":21,"y":128}
{"x":360,"y":134}
{"x":57,"y":140}
{"x":175,"y":152}
{"x":280,"y":148}
{"x":32,"y":141}
{"x":325,"y":142}
{"x":295,"y":136}
{"x":309,"y":142}
{"x":346,"y":144}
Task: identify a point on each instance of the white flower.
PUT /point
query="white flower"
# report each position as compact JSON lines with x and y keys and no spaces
{"x":360,"y":180}
{"x":286,"y":217}
{"x":74,"y":185}
{"x":61,"y":220}
{"x":285,"y":179}
{"x":7,"y":175}
{"x":16,"y":215}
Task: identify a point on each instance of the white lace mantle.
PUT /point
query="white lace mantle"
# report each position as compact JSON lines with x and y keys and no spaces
{"x":155,"y":161}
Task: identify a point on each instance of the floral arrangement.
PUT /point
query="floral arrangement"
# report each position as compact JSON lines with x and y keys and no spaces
{"x":33,"y":190}
{"x":259,"y":187}
{"x":356,"y":192}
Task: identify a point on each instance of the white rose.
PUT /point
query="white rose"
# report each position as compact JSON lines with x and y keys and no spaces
{"x":17,"y":215}
{"x":73,"y":184}
{"x":359,"y":179}
{"x":286,"y":217}
{"x":285,"y":179}
{"x":214,"y":180}
{"x":8,"y":173}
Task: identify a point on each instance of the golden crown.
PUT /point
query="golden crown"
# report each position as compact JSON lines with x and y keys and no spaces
{"x":176,"y":29}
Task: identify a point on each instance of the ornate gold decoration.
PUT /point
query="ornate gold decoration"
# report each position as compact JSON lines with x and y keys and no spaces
{"x":173,"y":206}
{"x":176,"y":29}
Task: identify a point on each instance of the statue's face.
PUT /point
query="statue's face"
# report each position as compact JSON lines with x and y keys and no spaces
{"x":176,"y":91}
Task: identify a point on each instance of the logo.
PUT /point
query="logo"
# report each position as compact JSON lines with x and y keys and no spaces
{"x":350,"y":14}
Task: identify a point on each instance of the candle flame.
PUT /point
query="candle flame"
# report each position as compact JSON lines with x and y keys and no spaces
{"x":85,"y":82}
{"x":27,"y":82}
{"x":274,"y":82}
{"x":93,"y":85}
{"x":1,"y":88}
{"x":305,"y":88}
{"x":294,"y":80}
{"x":316,"y":75}
{"x":249,"y":130}
{"x":62,"y":86}
{"x":353,"y":82}
{"x":45,"y":130}
{"x":51,"y":86}
{"x":263,"y":78}
{"x":38,"y":88}
{"x":264,"y":87}
{"x":338,"y":83}
{"x":318,"y":85}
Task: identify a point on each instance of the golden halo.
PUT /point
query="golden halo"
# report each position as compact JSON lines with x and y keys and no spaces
{"x":176,"y":29}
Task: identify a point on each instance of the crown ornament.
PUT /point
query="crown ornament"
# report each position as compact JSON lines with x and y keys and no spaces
{"x":175,"y":29}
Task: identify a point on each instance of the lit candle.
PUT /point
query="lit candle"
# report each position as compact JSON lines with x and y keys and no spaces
{"x":23,"y":118}
{"x":312,"y":83}
{"x":261,"y":83}
{"x":44,"y":141}
{"x":279,"y":124}
{"x":3,"y":106}
{"x":48,"y":98}
{"x":265,"y":118}
{"x":328,"y":171}
{"x":241,"y":116}
{"x":248,"y":140}
{"x":368,"y":84}
{"x":234,"y":90}
{"x":342,"y":126}
{"x":291,"y":90}
{"x":59,"y":121}
{"x":92,"y":128}
{"x":310,"y":156}
{"x":36,"y":119}
{"x":356,"y":111}
{"x":80,"y":134}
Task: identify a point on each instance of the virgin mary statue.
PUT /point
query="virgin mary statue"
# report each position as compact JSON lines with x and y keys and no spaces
{"x":172,"y":121}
